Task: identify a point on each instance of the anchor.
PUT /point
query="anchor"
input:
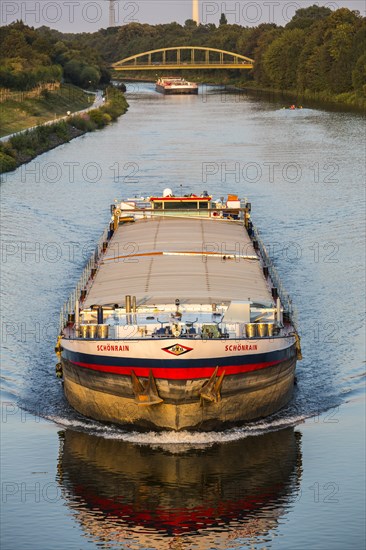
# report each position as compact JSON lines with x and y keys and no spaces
{"x":145,"y":394}
{"x":210,"y":390}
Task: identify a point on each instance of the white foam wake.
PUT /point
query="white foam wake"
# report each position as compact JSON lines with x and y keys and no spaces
{"x":179,"y":441}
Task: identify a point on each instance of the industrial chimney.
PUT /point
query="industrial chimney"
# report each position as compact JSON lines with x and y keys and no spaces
{"x":112,"y":19}
{"x":195,"y":11}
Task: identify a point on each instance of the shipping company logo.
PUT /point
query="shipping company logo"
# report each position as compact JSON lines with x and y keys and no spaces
{"x":177,"y":349}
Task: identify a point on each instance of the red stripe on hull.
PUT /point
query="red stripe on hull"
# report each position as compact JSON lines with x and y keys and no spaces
{"x":172,"y":373}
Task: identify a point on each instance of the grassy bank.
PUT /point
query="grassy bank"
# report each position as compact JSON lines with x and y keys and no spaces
{"x":24,"y":147}
{"x":349,"y":100}
{"x":19,"y":115}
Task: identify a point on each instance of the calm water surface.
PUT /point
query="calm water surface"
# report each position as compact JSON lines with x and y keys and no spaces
{"x":295,"y":480}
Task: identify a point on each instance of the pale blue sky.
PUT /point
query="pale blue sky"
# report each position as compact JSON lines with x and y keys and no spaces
{"x":90,"y":15}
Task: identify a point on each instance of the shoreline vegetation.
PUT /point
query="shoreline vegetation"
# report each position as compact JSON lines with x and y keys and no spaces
{"x":24,"y":147}
{"x":24,"y":110}
{"x":347,"y":101}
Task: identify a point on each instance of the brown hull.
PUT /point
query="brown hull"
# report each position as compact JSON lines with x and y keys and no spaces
{"x":244,"y":397}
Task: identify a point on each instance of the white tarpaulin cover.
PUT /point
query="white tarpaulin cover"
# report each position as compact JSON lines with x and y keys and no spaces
{"x":161,"y":259}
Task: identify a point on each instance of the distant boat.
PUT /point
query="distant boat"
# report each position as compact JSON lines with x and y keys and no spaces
{"x":175,"y":85}
{"x":293,"y":107}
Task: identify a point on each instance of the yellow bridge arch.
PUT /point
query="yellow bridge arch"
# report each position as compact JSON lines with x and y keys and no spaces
{"x":184,"y":57}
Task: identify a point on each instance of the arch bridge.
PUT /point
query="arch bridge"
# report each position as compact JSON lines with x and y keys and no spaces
{"x":184,"y":57}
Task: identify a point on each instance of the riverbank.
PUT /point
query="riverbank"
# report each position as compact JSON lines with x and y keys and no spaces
{"x":18,"y":115}
{"x":22,"y":148}
{"x":349,"y":101}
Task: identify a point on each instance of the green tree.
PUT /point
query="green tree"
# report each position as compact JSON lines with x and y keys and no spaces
{"x":190,"y":24}
{"x":223,"y":20}
{"x":281,"y":59}
{"x":359,"y":75}
{"x":306,"y":17}
{"x":257,"y":44}
{"x":339,"y":36}
{"x":89,"y":77}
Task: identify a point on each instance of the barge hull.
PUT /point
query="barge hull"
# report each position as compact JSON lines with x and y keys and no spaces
{"x":109,"y":398}
{"x":177,"y":91}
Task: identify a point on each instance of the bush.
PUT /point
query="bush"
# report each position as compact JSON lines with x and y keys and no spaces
{"x":62,"y":131}
{"x":97,"y":116}
{"x":20,"y":141}
{"x":82,"y":123}
{"x":7,"y":163}
{"x":42,"y":134}
{"x":107,"y":118}
{"x":7,"y":149}
{"x":117,"y":104}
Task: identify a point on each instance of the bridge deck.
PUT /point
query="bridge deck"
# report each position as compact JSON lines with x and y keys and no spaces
{"x":184,"y":57}
{"x":184,"y":66}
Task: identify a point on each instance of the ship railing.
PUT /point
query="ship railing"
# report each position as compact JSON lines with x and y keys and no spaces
{"x":286,"y":301}
{"x":202,"y":331}
{"x":69,"y":305}
{"x":201,"y":212}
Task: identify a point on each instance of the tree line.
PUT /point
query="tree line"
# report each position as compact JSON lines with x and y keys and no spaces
{"x":319,"y":50}
{"x":29,"y":57}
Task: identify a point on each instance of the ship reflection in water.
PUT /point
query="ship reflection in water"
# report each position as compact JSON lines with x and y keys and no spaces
{"x":133,"y":496}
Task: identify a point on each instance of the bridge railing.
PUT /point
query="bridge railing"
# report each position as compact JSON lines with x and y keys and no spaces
{"x":185,"y":56}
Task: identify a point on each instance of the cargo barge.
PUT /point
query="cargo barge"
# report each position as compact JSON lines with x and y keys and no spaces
{"x":172,"y":85}
{"x":179,"y":320}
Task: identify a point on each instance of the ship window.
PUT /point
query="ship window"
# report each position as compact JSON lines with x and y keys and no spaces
{"x":203,"y":205}
{"x":180,"y":205}
{"x":158,"y":205}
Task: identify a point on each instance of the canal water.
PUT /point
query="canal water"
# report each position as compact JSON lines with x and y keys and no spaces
{"x":293,"y":481}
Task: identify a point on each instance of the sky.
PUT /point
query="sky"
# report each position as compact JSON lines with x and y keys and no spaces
{"x":91,"y":15}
